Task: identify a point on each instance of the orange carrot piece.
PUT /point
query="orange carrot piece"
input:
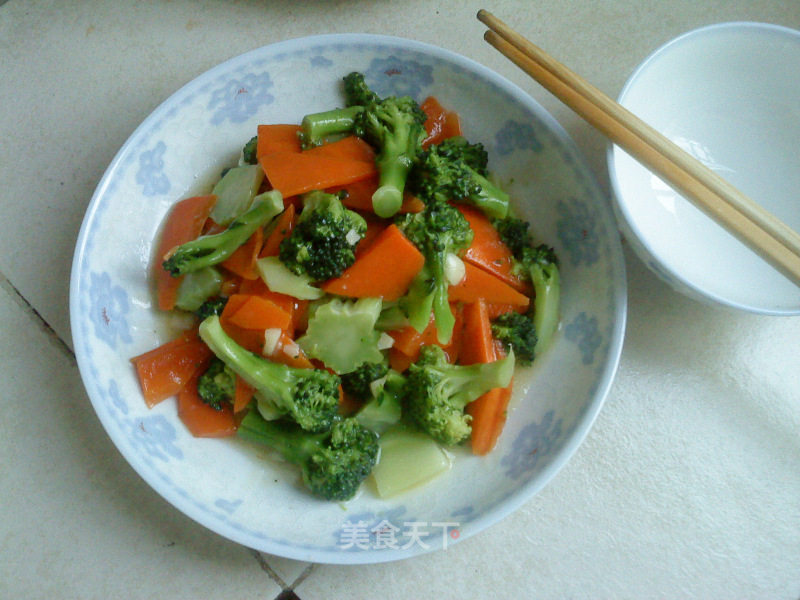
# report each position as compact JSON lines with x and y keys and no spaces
{"x":479,"y":284}
{"x":375,"y":227}
{"x":489,"y":411}
{"x":409,"y":341}
{"x":184,"y":223}
{"x":277,"y":138}
{"x":399,"y":361}
{"x":348,"y":148}
{"x":260,"y":313}
{"x":165,"y":370}
{"x":488,"y":419}
{"x":283,"y":227}
{"x":243,"y":260}
{"x":201,"y":419}
{"x":294,"y":173}
{"x":359,"y":196}
{"x":289,"y":353}
{"x":383,"y":270}
{"x":488,"y":251}
{"x":452,"y":125}
{"x":242,"y":396}
{"x":230,"y":284}
{"x":478,"y":330}
{"x":440,"y":124}
{"x":250,"y":339}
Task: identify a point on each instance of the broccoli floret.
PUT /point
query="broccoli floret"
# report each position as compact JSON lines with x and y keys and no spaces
{"x":437,"y":231}
{"x":474,"y":155}
{"x":249,"y":151}
{"x":333,"y":463}
{"x":341,"y":333}
{"x":323,"y":241}
{"x":356,"y":90}
{"x":437,"y":392}
{"x":310,"y":397}
{"x":318,"y":128}
{"x":539,"y":265}
{"x":395,"y":127}
{"x":516,"y":331}
{"x":514,"y":233}
{"x":212,"y":306}
{"x":357,"y":383}
{"x":445,"y":172}
{"x":208,"y":250}
{"x":217,"y":384}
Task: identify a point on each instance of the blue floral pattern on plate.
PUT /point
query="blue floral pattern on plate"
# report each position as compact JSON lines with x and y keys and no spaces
{"x":151,"y":171}
{"x":239,"y":99}
{"x":394,"y":76}
{"x":515,"y":135}
{"x":109,"y":305}
{"x":583,"y":331}
{"x":577,"y":230}
{"x":113,"y":317}
{"x":535,"y":442}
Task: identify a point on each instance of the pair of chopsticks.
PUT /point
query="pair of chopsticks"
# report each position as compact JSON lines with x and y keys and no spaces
{"x":760,"y":230}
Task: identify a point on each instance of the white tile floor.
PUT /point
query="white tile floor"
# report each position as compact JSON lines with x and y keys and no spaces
{"x":687,"y":485}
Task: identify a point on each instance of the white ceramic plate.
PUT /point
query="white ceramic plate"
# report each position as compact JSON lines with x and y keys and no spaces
{"x":728,"y":94}
{"x":228,"y":486}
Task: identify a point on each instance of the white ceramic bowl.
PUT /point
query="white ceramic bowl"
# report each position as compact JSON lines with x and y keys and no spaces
{"x":228,"y":486}
{"x":729,"y":94}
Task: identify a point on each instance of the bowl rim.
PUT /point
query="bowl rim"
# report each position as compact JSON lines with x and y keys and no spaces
{"x":621,"y":207}
{"x":618,"y":286}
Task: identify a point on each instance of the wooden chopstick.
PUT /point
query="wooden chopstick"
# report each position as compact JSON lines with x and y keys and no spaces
{"x":764,"y":233}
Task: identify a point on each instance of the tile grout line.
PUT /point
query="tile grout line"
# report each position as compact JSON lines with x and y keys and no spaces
{"x":23,"y":303}
{"x":268,"y":570}
{"x":303,"y":576}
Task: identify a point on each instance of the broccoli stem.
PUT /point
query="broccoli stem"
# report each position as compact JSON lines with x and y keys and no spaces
{"x":490,"y":199}
{"x":547,"y":290}
{"x":443,"y":316}
{"x":258,"y":372}
{"x":316,"y":127}
{"x":294,"y":448}
{"x":209,"y":250}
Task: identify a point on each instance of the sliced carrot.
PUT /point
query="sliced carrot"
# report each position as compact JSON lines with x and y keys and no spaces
{"x":478,"y":330}
{"x":375,"y":227}
{"x":348,"y":148}
{"x":384,"y":270}
{"x":440,"y":124}
{"x":289,"y":353}
{"x":479,"y":284}
{"x":257,"y":312}
{"x":201,"y":419}
{"x":488,"y":419}
{"x":184,"y":223}
{"x":489,"y":411}
{"x":283,"y":227}
{"x":242,"y":396}
{"x":347,"y":404}
{"x":294,"y":173}
{"x":243,"y":260}
{"x":277,"y":138}
{"x":230,"y":284}
{"x":488,"y":251}
{"x":399,"y":361}
{"x":409,"y":341}
{"x":165,"y":370}
{"x":250,"y":339}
